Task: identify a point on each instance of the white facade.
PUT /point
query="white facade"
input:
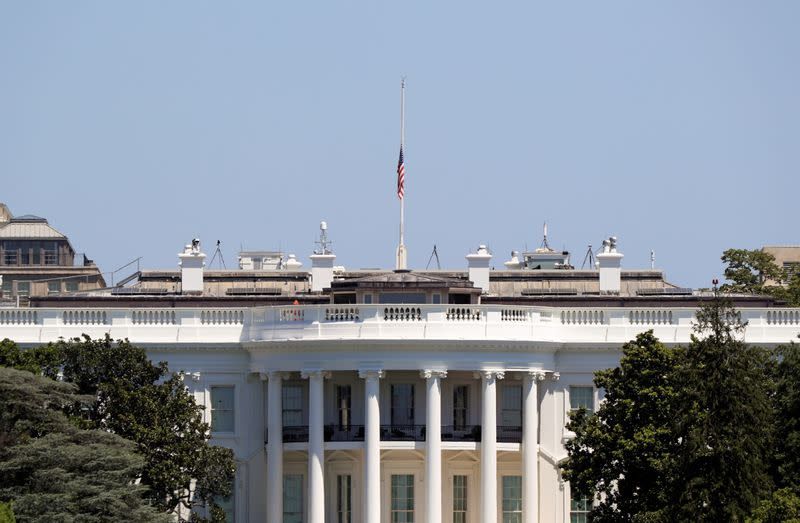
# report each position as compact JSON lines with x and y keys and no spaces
{"x":317,"y":398}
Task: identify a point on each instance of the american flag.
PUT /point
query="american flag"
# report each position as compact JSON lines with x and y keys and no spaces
{"x":401,"y":175}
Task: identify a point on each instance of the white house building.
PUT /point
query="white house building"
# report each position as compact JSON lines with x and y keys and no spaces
{"x":393,"y":396}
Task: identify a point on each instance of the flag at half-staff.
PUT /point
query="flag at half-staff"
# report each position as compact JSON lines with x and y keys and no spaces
{"x":401,"y":178}
{"x":401,"y":175}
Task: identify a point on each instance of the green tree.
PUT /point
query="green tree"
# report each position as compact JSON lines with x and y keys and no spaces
{"x":787,"y":417}
{"x":623,"y":455}
{"x":54,"y":471}
{"x":756,"y":272}
{"x":783,"y":506}
{"x":142,"y":402}
{"x":7,"y":513}
{"x":725,"y":420}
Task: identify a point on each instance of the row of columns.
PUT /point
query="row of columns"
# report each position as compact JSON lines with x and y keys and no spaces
{"x":433,"y":444}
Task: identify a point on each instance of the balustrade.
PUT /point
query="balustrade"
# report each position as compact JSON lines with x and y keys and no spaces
{"x":17,"y":317}
{"x":153,"y":317}
{"x":651,"y":317}
{"x":342,"y":314}
{"x":402,"y":314}
{"x":85,"y":317}
{"x":582,"y":317}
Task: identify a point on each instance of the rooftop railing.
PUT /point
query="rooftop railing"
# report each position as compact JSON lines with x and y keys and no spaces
{"x":234,"y":325}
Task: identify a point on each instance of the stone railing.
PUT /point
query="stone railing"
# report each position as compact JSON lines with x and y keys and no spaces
{"x":650,"y":317}
{"x":17,"y":317}
{"x":558,"y":325}
{"x":153,"y":317}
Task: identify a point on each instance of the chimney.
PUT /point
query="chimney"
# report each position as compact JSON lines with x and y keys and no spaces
{"x":478,"y":264}
{"x":513,"y":264}
{"x":192,"y":263}
{"x":609,"y":262}
{"x":322,"y":262}
{"x":292,"y":264}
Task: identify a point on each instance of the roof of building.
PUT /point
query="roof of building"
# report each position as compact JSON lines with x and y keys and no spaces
{"x":399,"y":280}
{"x":29,"y":227}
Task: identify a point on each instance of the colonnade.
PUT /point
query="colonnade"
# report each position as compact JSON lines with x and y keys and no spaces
{"x":433,"y":445}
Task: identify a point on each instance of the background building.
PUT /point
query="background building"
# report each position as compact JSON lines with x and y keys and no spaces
{"x":38,"y":260}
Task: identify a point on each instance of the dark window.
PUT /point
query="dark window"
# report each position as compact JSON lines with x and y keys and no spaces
{"x":460,"y":406}
{"x":403,"y":404}
{"x":344,"y":403}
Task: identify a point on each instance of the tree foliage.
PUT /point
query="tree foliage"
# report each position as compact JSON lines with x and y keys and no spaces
{"x":122,"y":392}
{"x":55,"y":471}
{"x":725,"y":420}
{"x":623,"y":454}
{"x":787,"y":414}
{"x":687,"y":434}
{"x":756,"y":272}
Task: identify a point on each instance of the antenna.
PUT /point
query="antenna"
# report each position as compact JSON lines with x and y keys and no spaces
{"x":436,"y":255}
{"x":589,"y":258}
{"x":545,"y":245}
{"x":218,"y":252}
{"x":652,"y":260}
{"x":323,"y":241}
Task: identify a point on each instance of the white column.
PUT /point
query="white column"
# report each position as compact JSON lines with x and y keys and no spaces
{"x":530,"y":446}
{"x":433,"y":444}
{"x":275,"y":447}
{"x":489,"y":445}
{"x":372,"y":445}
{"x":316,"y":445}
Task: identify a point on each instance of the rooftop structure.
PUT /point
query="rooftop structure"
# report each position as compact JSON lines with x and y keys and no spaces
{"x":38,"y":260}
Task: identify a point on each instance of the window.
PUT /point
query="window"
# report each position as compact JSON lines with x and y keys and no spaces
{"x":344,"y":403}
{"x":460,"y":407}
{"x":292,"y":405}
{"x":344,"y":513}
{"x":511,"y":415}
{"x":368,"y":299}
{"x":71,"y":286}
{"x":579,"y":507}
{"x":402,"y":498}
{"x":512,"y":499}
{"x":6,"y":288}
{"x":581,"y":397}
{"x":402,"y":297}
{"x":293,"y":498}
{"x":222,"y":401}
{"x":436,"y":298}
{"x":403,"y":404}
{"x":53,"y":287}
{"x":459,"y":499}
{"x":791,"y":269}
{"x":23,"y":288}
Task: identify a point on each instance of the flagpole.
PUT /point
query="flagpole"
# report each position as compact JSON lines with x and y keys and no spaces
{"x":401,"y":248}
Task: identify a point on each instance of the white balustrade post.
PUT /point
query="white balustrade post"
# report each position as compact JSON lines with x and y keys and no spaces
{"x":316,"y":445}
{"x":489,"y":445}
{"x":275,"y":447}
{"x":433,"y":444}
{"x":372,"y":445}
{"x":530,"y":446}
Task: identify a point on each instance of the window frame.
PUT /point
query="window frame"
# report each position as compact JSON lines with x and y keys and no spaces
{"x":298,"y":411}
{"x":511,"y":514}
{"x":411,"y":411}
{"x":212,"y":409}
{"x":344,"y":514}
{"x":409,"y":510}
{"x":301,"y":492}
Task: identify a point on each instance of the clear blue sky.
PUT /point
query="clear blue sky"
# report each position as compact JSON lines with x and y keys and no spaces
{"x":134,"y":126}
